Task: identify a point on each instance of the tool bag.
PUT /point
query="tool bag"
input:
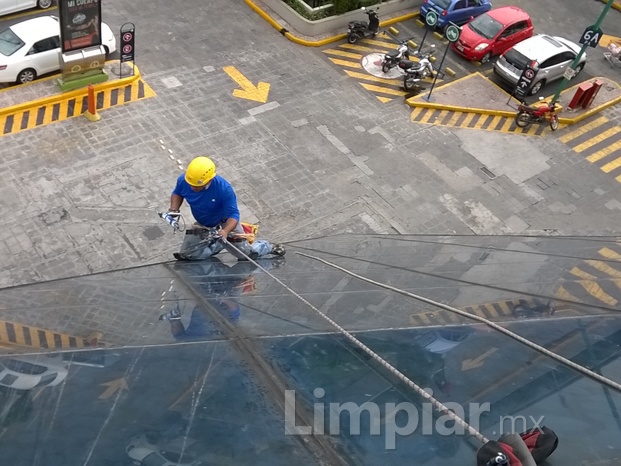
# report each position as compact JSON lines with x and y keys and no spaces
{"x":529,"y":448}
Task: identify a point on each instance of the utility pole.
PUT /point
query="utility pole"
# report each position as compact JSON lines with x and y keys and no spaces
{"x":590,"y":38}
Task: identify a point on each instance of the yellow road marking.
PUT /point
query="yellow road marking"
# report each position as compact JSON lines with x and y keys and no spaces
{"x":618,"y":178}
{"x":591,"y":287}
{"x":383,"y":90}
{"x":604,"y":267}
{"x":467,"y":120}
{"x":609,"y":254}
{"x":381,"y":43}
{"x":599,"y":138}
{"x":441,"y":115}
{"x":351,"y":64}
{"x":383,"y":99}
{"x":507,"y":126}
{"x":426,"y":117}
{"x":562,"y":293}
{"x":600,"y":154}
{"x":583,"y":129}
{"x":343,"y":54}
{"x":504,"y":307}
{"x":417,"y":111}
{"x":453,"y":119}
{"x":610,"y":166}
{"x":358,"y":47}
{"x":369,"y":77}
{"x":248,"y":91}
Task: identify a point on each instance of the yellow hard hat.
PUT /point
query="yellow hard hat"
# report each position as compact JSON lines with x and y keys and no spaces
{"x":200,"y":171}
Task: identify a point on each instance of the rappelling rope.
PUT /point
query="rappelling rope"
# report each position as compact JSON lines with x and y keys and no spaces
{"x":437,"y":404}
{"x":515,"y":336}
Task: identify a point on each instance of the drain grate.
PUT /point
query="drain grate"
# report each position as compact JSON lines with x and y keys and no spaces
{"x":488,"y":172}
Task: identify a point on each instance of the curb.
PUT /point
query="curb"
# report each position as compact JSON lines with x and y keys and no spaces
{"x":321,"y":42}
{"x":83,"y":91}
{"x":615,"y":5}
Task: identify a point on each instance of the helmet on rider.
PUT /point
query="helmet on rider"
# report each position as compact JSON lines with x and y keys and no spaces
{"x":200,"y":172}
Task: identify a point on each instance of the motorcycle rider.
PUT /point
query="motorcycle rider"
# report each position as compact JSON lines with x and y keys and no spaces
{"x":213,"y":204}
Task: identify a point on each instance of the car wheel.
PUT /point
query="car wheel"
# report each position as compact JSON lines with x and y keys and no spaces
{"x":44,"y":4}
{"x":26,"y":76}
{"x":536,"y":87}
{"x":486,"y":57}
{"x":578,"y":69}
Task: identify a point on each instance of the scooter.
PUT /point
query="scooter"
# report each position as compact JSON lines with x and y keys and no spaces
{"x":361,"y":29}
{"x":415,"y":72}
{"x":542,"y":114}
{"x":392,"y":58}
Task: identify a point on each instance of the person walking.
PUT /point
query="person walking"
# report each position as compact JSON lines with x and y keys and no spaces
{"x":213,"y":203}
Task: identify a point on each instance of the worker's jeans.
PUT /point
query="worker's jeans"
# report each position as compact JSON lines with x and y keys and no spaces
{"x":190,"y":248}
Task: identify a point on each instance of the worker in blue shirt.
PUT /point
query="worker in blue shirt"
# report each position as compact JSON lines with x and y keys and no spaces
{"x":213,"y":204}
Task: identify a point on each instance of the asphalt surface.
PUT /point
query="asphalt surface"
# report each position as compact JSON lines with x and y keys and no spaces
{"x":322,"y":156}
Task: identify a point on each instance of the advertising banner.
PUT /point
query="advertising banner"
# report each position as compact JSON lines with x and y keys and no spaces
{"x":80,"y":24}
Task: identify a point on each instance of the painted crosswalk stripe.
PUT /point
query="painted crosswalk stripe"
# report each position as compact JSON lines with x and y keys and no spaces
{"x":597,"y":139}
{"x":605,"y":268}
{"x":342,"y":53}
{"x":583,"y":129}
{"x":610,"y":166}
{"x":349,"y":64}
{"x":384,"y":90}
{"x":592,"y":287}
{"x":600,"y":154}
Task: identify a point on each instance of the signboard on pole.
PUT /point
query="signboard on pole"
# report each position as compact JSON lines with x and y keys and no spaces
{"x":526,"y":79}
{"x":591,"y":36}
{"x":128,"y":35}
{"x":80,"y":24}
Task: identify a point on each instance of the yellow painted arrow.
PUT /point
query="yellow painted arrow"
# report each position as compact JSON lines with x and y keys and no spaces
{"x":113,"y":387}
{"x":248,"y":90}
{"x":468,"y":364}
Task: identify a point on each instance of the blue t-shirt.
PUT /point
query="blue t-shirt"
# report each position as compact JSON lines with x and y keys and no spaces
{"x":210,"y":206}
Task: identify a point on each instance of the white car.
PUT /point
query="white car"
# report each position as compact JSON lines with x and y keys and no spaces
{"x":28,"y":372}
{"x":11,"y":6}
{"x":32,"y":48}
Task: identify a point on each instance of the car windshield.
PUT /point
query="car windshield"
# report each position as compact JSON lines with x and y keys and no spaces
{"x":485,"y":26}
{"x":9,"y":43}
{"x":442,"y":3}
{"x":516,"y":59}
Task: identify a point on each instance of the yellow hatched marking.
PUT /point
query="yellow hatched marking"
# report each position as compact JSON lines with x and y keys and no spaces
{"x":583,"y":129}
{"x":532,"y":131}
{"x":383,"y":90}
{"x":440,"y":117}
{"x":368,"y":77}
{"x":19,"y":334}
{"x":507,"y":126}
{"x":479,"y":311}
{"x":481,"y":121}
{"x":610,"y":166}
{"x":600,"y":154}
{"x":342,"y":53}
{"x":494,"y":122}
{"x":609,"y":254}
{"x":135,"y":90}
{"x":562,"y":293}
{"x":358,"y":47}
{"x":618,"y":178}
{"x":467,"y":120}
{"x":381,"y":43}
{"x":426,"y":116}
{"x":351,"y":64}
{"x":107,"y":98}
{"x":417,"y":111}
{"x":383,"y":99}
{"x":591,"y":287}
{"x":599,"y":138}
{"x":453,"y":119}
{"x":604,"y":267}
{"x":504,"y":307}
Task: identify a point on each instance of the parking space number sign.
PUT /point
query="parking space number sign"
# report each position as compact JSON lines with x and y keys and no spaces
{"x":591,"y":36}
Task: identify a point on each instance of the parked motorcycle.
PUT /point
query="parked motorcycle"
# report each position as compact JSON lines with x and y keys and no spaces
{"x":542,"y":114}
{"x":357,"y":30}
{"x":392,"y":58}
{"x":415,"y":72}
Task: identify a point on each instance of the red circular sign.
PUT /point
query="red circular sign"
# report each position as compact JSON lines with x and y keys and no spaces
{"x":127,"y":36}
{"x":127,"y":48}
{"x":530,"y":74}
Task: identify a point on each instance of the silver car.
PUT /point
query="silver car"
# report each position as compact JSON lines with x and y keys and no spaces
{"x":553,"y":55}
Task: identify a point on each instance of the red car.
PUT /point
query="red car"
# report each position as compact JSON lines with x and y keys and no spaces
{"x":493,"y":32}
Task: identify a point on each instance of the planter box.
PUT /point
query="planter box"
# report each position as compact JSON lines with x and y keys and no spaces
{"x":336,"y":24}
